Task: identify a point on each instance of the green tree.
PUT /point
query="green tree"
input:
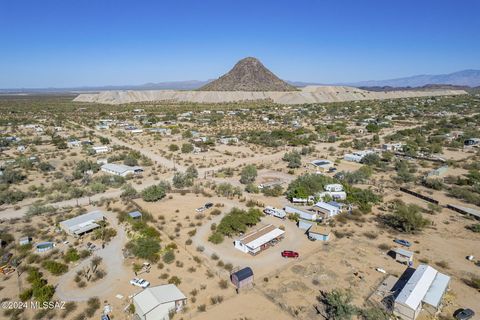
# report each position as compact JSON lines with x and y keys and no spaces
{"x":153,"y":193}
{"x":144,"y":248}
{"x":407,"y":218}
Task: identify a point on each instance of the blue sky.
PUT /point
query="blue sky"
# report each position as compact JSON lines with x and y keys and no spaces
{"x":64,"y":43}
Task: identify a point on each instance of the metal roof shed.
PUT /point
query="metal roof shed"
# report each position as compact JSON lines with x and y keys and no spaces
{"x":135,"y":214}
{"x":242,"y":278}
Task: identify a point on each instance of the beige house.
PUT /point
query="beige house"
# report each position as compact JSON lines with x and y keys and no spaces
{"x":157,"y":303}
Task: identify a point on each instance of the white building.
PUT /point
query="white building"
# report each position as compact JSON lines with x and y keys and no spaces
{"x":156,"y":303}
{"x":73,"y":143}
{"x":121,"y":169}
{"x":228,"y":140}
{"x":162,"y":131}
{"x":392,"y":146}
{"x":357,"y":156}
{"x":82,"y":224}
{"x":336,"y":195}
{"x":325,"y":210}
{"x":100,"y":149}
{"x":302,"y":214}
{"x":424,"y":290}
{"x":259,"y":239}
{"x":322,"y":165}
{"x":335,"y":187}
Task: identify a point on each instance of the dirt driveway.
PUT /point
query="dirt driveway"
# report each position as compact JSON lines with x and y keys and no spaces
{"x":112,"y":262}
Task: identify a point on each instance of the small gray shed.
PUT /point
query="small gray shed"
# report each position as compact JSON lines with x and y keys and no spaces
{"x":403,"y":256}
{"x":242,"y":278}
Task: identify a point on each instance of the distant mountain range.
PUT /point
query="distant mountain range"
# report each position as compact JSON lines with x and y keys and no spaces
{"x":465,"y":78}
{"x":470,"y":78}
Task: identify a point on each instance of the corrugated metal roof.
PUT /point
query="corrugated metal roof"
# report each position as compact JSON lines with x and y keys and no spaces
{"x":243,"y":273}
{"x":120,"y":168}
{"x":326,"y":206}
{"x":403,"y":252}
{"x":264,"y":238}
{"x":135,"y":214}
{"x":437,"y":289}
{"x":82,"y":220}
{"x":417,"y":286}
{"x":152,"y":297}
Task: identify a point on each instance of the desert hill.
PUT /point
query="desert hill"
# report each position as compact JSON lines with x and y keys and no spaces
{"x":248,"y":74}
{"x":309,"y":94}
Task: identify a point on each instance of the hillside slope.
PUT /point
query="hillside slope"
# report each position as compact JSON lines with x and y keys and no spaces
{"x":248,"y":74}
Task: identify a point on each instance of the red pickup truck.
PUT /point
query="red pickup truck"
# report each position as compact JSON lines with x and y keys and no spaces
{"x":290,"y":254}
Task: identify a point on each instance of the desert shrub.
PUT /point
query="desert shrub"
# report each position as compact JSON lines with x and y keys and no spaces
{"x":442,"y":264}
{"x":248,"y":174}
{"x":174,"y":280}
{"x":93,"y":304}
{"x":293,"y":159}
{"x":216,"y":299}
{"x":169,"y":257}
{"x":338,"y":304}
{"x":474,"y":227}
{"x":473,"y":282}
{"x":55,"y":268}
{"x":153,"y":193}
{"x":223,"y":284}
{"x":216,"y":238}
{"x":71,"y":255}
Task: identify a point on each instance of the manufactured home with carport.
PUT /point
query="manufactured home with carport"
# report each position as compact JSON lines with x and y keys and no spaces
{"x":424,"y":290}
{"x":121,"y":169}
{"x":259,"y":240}
{"x":82,"y":224}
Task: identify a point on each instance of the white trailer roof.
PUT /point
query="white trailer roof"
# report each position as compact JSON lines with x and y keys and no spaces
{"x":417,"y":286}
{"x":437,"y":289}
{"x":152,"y":297}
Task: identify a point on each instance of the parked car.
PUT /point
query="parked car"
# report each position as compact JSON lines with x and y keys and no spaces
{"x":208,"y":205}
{"x":464,"y":314}
{"x":290,"y":254}
{"x":403,"y":242}
{"x":140,"y":282}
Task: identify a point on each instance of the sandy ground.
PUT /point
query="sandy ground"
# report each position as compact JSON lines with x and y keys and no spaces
{"x":247,"y":305}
